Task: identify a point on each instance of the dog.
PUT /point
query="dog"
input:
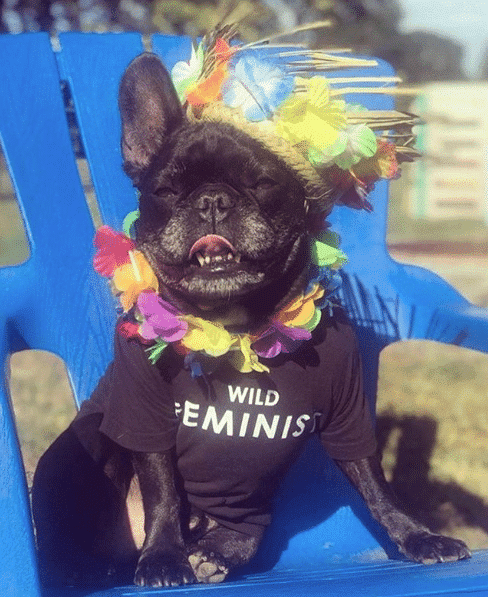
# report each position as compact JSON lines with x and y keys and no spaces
{"x":224,"y":224}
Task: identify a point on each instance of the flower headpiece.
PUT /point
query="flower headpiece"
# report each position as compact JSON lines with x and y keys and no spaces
{"x":281,"y":98}
{"x":156,"y":322}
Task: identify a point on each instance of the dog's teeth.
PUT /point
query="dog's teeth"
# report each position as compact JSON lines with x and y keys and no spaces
{"x":200,"y":258}
{"x":205,"y":260}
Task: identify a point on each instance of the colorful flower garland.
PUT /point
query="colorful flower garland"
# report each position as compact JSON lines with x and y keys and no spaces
{"x":156,"y":322}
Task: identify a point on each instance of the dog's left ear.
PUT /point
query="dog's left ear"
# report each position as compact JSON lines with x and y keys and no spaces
{"x":150,"y":110}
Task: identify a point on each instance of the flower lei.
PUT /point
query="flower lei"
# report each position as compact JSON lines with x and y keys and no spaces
{"x":336,"y":138}
{"x":158,"y":323}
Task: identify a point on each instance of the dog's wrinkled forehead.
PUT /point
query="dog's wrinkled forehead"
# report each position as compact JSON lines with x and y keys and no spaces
{"x":209,"y":149}
{"x":214,"y":152}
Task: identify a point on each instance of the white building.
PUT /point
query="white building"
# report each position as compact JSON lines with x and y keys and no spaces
{"x":451,"y":181}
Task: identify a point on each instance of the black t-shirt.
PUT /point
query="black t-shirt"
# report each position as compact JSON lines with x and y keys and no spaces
{"x":236,"y":434}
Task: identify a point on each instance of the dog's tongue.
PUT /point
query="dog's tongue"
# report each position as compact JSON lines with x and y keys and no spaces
{"x":211,"y":245}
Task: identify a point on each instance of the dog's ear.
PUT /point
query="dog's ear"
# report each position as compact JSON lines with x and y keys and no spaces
{"x":150,"y":110}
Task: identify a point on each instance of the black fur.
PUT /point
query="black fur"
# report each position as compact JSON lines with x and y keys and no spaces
{"x":194,"y":180}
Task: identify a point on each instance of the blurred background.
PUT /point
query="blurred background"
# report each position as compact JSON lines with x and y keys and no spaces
{"x":433,"y":399}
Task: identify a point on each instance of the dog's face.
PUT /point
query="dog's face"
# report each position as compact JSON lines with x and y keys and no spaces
{"x":221,"y":217}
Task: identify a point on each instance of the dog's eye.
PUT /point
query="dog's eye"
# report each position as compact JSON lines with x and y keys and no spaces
{"x":265,"y":184}
{"x":165,"y":192}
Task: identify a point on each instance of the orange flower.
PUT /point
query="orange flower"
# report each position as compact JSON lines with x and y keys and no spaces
{"x":382,"y":165}
{"x":208,"y":90}
{"x":133,"y":278}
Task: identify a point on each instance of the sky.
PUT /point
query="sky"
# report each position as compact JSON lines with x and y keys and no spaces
{"x":462,"y":20}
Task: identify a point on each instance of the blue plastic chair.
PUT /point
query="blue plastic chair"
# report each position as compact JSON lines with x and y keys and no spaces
{"x":323,"y":541}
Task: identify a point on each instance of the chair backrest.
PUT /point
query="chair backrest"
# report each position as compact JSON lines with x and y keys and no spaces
{"x":55,"y":302}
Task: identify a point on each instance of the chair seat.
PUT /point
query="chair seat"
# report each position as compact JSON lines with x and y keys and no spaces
{"x":366,"y":577}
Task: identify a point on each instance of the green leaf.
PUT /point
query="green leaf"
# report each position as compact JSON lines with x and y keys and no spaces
{"x":323,"y":255}
{"x":154,"y":352}
{"x":129,"y":221}
{"x":361,"y":143}
{"x":314,"y":322}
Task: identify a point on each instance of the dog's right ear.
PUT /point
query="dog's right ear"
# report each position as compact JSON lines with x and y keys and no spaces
{"x":150,"y":110}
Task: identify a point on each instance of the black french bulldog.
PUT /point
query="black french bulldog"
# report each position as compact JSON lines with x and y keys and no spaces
{"x":224,"y":223}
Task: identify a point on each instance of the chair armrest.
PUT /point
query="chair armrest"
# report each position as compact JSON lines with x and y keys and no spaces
{"x":433,"y":310}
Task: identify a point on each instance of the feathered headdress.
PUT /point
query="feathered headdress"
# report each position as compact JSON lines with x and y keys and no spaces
{"x":282,"y":97}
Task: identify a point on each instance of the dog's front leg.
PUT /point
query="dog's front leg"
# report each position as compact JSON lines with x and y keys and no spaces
{"x":413,"y":539}
{"x":163,"y":561}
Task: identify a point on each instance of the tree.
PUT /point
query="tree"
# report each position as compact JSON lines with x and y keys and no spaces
{"x":366,"y":26}
{"x":422,"y":56}
{"x":484,"y":65}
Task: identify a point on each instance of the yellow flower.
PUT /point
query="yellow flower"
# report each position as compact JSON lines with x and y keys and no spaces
{"x":211,"y":338}
{"x":133,"y":278}
{"x":301,"y":311}
{"x":243,"y":358}
{"x":311,"y":119}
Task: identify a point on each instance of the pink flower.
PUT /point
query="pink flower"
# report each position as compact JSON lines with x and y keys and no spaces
{"x":113,"y":250}
{"x":161,"y":319}
{"x":279,"y":338}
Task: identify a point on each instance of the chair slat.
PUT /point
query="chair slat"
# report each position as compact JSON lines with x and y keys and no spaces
{"x":93,"y":64}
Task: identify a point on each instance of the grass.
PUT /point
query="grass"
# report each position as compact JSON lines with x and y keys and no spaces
{"x":42,"y":400}
{"x":433,"y":427}
{"x":432,"y":399}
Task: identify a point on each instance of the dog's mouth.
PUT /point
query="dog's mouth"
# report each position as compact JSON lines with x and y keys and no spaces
{"x":215,"y":270}
{"x":213,"y":253}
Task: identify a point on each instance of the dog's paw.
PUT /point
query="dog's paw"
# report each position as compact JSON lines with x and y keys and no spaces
{"x":163,"y":569}
{"x":428,"y":548}
{"x":208,"y":566}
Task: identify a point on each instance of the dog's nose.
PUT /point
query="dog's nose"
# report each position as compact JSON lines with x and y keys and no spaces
{"x":214,"y":206}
